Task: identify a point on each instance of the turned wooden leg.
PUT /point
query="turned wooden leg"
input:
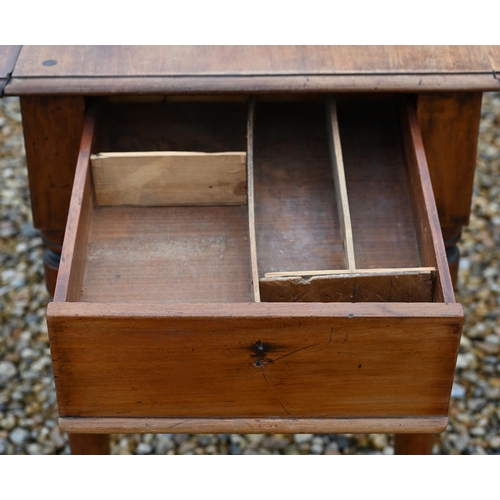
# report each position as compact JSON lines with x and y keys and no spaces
{"x":450,"y":127}
{"x":413,"y":444}
{"x":52,"y":128}
{"x":89,"y":444}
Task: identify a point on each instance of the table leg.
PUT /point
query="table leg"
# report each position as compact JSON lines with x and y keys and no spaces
{"x":413,"y":444}
{"x":89,"y":444}
{"x":450,"y":125}
{"x":52,"y":132}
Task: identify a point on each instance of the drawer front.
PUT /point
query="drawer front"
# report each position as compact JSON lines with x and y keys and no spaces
{"x":254,"y":360}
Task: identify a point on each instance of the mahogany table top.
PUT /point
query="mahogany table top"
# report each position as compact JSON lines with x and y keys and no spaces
{"x":93,"y":70}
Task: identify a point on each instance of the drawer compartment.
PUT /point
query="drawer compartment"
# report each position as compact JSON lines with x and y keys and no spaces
{"x":198,"y":315}
{"x":170,"y":221}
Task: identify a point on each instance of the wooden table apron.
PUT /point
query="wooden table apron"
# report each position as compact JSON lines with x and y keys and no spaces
{"x":54,"y":82}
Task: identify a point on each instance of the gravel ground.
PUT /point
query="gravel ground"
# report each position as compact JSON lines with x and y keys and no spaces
{"x":28,"y":408}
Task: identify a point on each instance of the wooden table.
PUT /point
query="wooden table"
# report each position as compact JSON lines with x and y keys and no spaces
{"x":55,"y":82}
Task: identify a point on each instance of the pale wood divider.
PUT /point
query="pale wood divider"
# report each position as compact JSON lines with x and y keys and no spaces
{"x":159,"y":178}
{"x":340,"y":183}
{"x":251,"y":203}
{"x":356,"y":272}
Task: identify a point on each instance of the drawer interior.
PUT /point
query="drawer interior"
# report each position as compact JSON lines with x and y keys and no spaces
{"x":382,"y":218}
{"x":252,"y":200}
{"x":185,"y":248}
{"x":296,"y":218}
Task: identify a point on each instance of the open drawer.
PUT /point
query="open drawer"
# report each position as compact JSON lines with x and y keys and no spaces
{"x":267,"y":266}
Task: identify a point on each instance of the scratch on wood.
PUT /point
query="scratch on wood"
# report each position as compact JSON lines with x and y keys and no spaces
{"x":296,"y":350}
{"x":272,"y":388}
{"x":177,"y":424}
{"x":345,"y":339}
{"x":331,"y":335}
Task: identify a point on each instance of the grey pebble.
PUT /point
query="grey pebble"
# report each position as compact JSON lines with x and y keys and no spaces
{"x":302,"y":438}
{"x":8,"y":371}
{"x":163,"y":445}
{"x":57,"y":438}
{"x":379,"y":441}
{"x":29,"y":231}
{"x":9,"y":422}
{"x":34,"y":449}
{"x":462,"y":442}
{"x":180,"y":438}
{"x":465,"y":360}
{"x":275,"y":442}
{"x":19,"y":435}
{"x":342,"y":442}
{"x":492,"y":339}
{"x":458,"y":391}
{"x":234,"y":449}
{"x":495,"y":442}
{"x":186,"y":447}
{"x":478,"y":431}
{"x":475,"y":404}
{"x":144,"y":449}
{"x":332,"y":447}
{"x":316,"y":448}
{"x":255,"y":439}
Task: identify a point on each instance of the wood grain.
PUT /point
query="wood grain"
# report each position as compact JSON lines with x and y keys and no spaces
{"x":296,"y":217}
{"x":180,"y":60}
{"x":254,"y":425}
{"x":168,"y":254}
{"x":184,"y":69}
{"x":254,"y":359}
{"x":449,"y":124}
{"x":52,"y":128}
{"x":493,"y":54}
{"x":379,"y":196}
{"x":415,"y":286}
{"x":169,"y":178}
